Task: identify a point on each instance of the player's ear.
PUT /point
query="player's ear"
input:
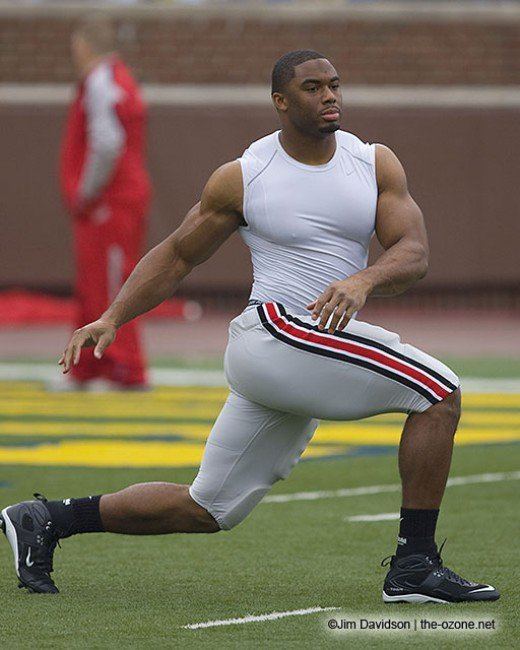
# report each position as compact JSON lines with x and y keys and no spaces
{"x":279,"y":101}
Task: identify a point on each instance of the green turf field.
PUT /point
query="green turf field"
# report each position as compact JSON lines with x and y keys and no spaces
{"x":289,"y":555}
{"x":138,"y":592}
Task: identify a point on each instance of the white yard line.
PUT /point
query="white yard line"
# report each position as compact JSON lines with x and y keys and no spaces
{"x":380,"y":489}
{"x":261,"y":617}
{"x":384,"y":516}
{"x":330,"y":494}
{"x":49,"y":372}
{"x":483,"y":385}
{"x":188,"y":377}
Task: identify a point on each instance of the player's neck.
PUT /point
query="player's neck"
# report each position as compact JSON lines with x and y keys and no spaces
{"x":90,"y":64}
{"x":308,"y":149}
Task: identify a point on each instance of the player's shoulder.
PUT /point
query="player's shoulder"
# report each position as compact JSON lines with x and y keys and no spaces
{"x":123,"y":76}
{"x":356,"y":147}
{"x":263,"y":148}
{"x":257,"y":156}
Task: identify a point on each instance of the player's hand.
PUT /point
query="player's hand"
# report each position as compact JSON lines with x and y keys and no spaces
{"x":99,"y":333}
{"x":342,"y":299}
{"x":79,"y":208}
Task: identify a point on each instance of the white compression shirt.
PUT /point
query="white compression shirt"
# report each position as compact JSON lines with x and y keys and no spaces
{"x":307,"y":225}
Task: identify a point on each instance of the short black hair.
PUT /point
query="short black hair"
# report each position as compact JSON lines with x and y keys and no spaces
{"x":283,"y":70}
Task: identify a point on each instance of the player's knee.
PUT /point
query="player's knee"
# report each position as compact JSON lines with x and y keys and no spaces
{"x":202,"y":520}
{"x":207,"y":524}
{"x":449,"y":409}
{"x":453,"y":402}
{"x":227,"y":513}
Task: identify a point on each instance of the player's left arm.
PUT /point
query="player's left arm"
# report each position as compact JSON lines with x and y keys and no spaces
{"x":401,"y":232}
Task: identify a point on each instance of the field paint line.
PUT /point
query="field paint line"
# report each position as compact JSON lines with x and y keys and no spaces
{"x":384,"y":516}
{"x":330,"y":494}
{"x":120,"y":453}
{"x":70,"y":405}
{"x":491,"y":385}
{"x":380,"y":489}
{"x":352,"y":436}
{"x":261,"y":617}
{"x":216,"y":378}
{"x":483,"y":478}
{"x":158,"y":376}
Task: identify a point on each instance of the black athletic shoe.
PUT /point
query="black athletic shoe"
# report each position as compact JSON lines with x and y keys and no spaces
{"x":30,"y":532}
{"x":421,"y":578}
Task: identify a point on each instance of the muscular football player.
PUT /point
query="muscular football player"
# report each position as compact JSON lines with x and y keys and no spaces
{"x":306,"y":200}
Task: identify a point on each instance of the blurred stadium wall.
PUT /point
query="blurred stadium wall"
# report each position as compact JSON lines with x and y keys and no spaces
{"x":439,"y":83}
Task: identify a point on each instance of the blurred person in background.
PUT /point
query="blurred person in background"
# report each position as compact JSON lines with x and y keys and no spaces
{"x":107,"y":191}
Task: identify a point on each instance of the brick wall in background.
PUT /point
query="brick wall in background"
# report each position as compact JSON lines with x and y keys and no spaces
{"x":184,"y":47}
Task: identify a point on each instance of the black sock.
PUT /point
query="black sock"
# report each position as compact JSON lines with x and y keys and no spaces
{"x":417,"y":532}
{"x":73,"y":516}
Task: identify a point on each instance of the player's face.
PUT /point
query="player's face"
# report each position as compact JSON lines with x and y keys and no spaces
{"x":80,"y":51}
{"x":312,"y":100}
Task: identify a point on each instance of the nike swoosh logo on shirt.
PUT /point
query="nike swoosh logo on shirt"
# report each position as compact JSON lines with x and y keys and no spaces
{"x":28,"y":560}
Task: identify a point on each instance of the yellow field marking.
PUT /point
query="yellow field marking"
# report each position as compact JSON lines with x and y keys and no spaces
{"x":102,"y":453}
{"x":96,"y":429}
{"x":21,"y":386}
{"x":350,"y":433}
{"x":363,"y":435}
{"x":490,"y":418}
{"x":158,"y":392}
{"x":491,"y":399}
{"x":202,"y":403}
{"x":115,"y":399}
{"x":30,"y":393}
{"x":113,"y":414}
{"x":361,"y":432}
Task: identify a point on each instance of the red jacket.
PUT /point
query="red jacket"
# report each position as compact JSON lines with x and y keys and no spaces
{"x":107,"y":115}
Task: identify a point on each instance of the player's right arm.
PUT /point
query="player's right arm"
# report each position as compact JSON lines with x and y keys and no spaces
{"x":156,"y":277}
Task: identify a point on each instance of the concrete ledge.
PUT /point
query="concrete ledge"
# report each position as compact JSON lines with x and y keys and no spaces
{"x":259,"y":95}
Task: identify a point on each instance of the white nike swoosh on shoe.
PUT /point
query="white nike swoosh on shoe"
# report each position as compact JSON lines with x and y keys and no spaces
{"x":28,"y":560}
{"x":488,"y":588}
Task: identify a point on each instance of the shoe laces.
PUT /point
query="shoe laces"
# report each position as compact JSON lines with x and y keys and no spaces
{"x":47,"y":542}
{"x":454,"y":577}
{"x":388,"y":559}
{"x":440,"y":569}
{"x":448,"y":573}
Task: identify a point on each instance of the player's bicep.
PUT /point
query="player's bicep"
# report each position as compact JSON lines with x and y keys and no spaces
{"x":398,"y":215}
{"x":212,"y":221}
